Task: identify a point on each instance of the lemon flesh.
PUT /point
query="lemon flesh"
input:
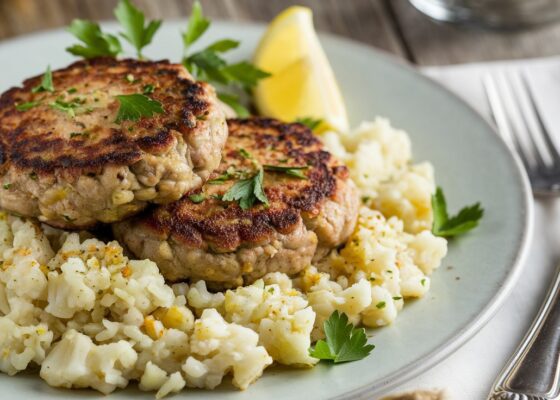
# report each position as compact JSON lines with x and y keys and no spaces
{"x":302,"y":84}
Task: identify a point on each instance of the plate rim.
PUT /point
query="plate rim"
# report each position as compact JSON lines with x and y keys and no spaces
{"x":467,"y":332}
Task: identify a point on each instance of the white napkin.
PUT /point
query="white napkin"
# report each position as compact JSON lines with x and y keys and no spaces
{"x":543,"y":75}
{"x":469,"y":373}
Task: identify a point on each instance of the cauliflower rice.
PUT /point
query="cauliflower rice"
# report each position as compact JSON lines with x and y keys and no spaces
{"x":88,"y":316}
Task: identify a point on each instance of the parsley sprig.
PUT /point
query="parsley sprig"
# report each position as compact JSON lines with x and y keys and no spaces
{"x":468,"y":217}
{"x":247,"y":191}
{"x":209,"y":65}
{"x":343,"y":342}
{"x":132,"y":21}
{"x":135,"y":106}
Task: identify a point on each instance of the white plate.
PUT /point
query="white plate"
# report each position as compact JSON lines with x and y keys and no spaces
{"x":472,"y":164}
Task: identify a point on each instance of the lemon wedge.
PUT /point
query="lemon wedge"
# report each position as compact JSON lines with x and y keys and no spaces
{"x":302,"y":84}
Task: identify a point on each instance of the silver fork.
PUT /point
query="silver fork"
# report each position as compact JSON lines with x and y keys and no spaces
{"x":533,"y":372}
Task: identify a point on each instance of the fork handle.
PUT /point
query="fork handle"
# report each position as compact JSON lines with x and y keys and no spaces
{"x":533,"y":373}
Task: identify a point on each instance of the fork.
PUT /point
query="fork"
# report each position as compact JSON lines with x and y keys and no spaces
{"x":533,"y":372}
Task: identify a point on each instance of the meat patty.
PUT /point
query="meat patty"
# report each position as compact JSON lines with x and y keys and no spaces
{"x":203,"y":237}
{"x":67,"y":161}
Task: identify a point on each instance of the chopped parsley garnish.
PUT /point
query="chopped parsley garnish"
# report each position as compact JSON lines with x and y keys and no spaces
{"x":247,"y":191}
{"x":148,"y":89}
{"x":7,"y":186}
{"x":397,"y":298}
{"x":311,"y":123}
{"x":135,"y":106}
{"x":72,"y":90}
{"x":68,"y":107}
{"x":343,"y":342}
{"x":208,"y":64}
{"x":245,"y":154}
{"x":95,"y":42}
{"x":380,"y":305}
{"x":33,"y":176}
{"x":226,"y":176}
{"x":288,"y":170}
{"x":132,"y":21}
{"x":423,"y":282}
{"x":197,"y":198}
{"x":468,"y":217}
{"x":27,"y":106}
{"x":46,"y":84}
{"x":79,"y":134}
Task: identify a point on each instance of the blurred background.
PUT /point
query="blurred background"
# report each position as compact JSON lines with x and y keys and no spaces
{"x":392,"y":25}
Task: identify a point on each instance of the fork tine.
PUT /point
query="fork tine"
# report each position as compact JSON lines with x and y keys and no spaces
{"x":551,"y":146}
{"x":500,"y":117}
{"x":529,"y":115}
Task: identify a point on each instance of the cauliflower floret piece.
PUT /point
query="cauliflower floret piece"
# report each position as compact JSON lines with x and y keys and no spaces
{"x":175,"y":383}
{"x":382,"y":310}
{"x":288,"y":339}
{"x":280,"y":315}
{"x":427,"y":251}
{"x":200,"y":298}
{"x":327,"y":298}
{"x":69,"y":291}
{"x":76,"y":361}
{"x":168,"y":352}
{"x":22,"y":344}
{"x":408,"y":196}
{"x":219,"y":347}
{"x":153,"y":377}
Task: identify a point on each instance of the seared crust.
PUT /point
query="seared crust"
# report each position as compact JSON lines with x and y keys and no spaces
{"x":106,"y":170}
{"x":39,"y":139}
{"x":303,"y":215}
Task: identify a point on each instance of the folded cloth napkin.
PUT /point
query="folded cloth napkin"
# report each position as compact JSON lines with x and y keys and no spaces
{"x":542,"y":74}
{"x":469,"y":373}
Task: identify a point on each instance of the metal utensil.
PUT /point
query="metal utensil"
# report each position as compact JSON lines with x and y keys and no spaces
{"x":533,"y":372}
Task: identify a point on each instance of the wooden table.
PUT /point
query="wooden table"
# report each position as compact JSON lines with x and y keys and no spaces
{"x":392,"y":25}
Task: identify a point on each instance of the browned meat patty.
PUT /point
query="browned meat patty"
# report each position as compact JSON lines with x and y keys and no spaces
{"x":203,"y":237}
{"x":69,"y":163}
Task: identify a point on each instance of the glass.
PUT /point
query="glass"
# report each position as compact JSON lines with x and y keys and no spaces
{"x":506,"y":14}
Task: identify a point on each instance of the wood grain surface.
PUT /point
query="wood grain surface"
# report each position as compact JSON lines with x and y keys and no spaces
{"x":391,"y":25}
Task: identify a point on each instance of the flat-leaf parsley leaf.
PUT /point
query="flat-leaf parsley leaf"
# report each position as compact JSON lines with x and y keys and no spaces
{"x":132,"y":21}
{"x":196,"y":26}
{"x":247,"y":191}
{"x":445,"y":226}
{"x":343,"y":342}
{"x":95,"y":42}
{"x":135,"y":106}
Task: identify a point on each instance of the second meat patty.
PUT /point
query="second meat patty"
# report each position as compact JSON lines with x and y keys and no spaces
{"x":311,"y":209}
